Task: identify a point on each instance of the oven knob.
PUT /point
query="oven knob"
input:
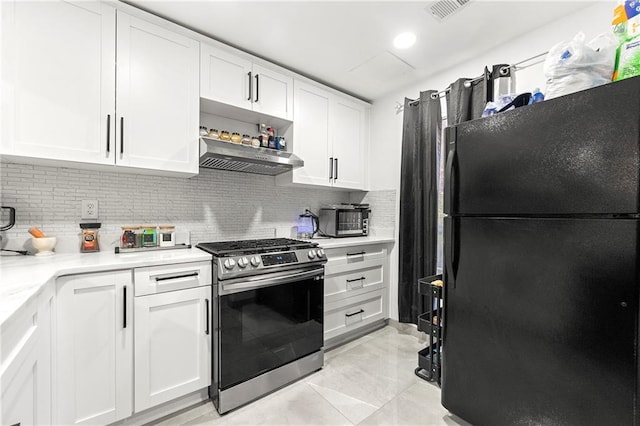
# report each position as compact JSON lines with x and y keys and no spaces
{"x":243,"y":262}
{"x":229,"y":264}
{"x":311,"y":254}
{"x":255,"y":261}
{"x":320,"y":253}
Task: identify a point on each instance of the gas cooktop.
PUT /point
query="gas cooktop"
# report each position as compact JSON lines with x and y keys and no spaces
{"x":247,"y":247}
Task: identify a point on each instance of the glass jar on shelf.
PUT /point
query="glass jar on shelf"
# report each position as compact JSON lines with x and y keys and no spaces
{"x":130,"y":237}
{"x":148,"y":236}
{"x":166,"y":235}
{"x":225,"y":136}
{"x":236,"y":138}
{"x":246,"y":140}
{"x":213,"y":133}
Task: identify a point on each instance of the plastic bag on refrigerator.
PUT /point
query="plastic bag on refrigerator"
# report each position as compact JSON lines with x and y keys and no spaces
{"x":577,"y":65}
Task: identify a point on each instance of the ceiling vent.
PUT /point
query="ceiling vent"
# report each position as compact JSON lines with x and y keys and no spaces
{"x":444,"y":8}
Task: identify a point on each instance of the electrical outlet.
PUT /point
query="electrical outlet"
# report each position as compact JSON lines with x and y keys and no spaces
{"x":89,"y":209}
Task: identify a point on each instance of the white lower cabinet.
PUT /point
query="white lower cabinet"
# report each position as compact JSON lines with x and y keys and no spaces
{"x":94,"y":348}
{"x":25,"y":371}
{"x":172,"y":345}
{"x":355,"y":289}
{"x":353,"y":313}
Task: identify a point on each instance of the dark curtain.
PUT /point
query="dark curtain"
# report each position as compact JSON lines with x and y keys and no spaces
{"x":467,"y":103}
{"x":421,"y":131}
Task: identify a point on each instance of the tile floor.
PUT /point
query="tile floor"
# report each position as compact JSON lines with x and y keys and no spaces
{"x":369,"y":381}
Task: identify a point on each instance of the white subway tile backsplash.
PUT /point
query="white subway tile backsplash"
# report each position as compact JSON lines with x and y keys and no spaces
{"x":215,"y":205}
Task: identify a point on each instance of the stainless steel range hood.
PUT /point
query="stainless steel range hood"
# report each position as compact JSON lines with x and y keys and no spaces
{"x":216,"y":154}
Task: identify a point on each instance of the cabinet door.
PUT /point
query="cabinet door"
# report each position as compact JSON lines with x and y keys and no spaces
{"x":311,"y":134}
{"x":172,"y":345}
{"x":348,"y":133}
{"x":272,"y":93}
{"x":25,"y":378}
{"x":157,"y":97}
{"x":19,"y":383}
{"x":58,"y":80}
{"x":94,"y":348}
{"x":225,"y":77}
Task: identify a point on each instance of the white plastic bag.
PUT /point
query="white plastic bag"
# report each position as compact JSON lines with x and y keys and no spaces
{"x":576,"y":65}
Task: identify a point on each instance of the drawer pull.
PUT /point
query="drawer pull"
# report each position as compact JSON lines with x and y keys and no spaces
{"x":356,"y":279}
{"x":358,"y":253}
{"x":176,"y":277}
{"x":361,"y":311}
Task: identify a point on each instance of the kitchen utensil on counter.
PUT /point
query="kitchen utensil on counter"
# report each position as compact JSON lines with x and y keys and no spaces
{"x":44,"y":245}
{"x":307,"y":225}
{"x":12,"y":219}
{"x":166,"y":235}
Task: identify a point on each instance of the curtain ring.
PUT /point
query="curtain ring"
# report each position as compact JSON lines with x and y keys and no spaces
{"x":504,"y":70}
{"x":434,"y":95}
{"x":467,"y":83}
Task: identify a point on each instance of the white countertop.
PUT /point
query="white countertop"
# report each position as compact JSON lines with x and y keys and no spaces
{"x":351,"y":241}
{"x":23,"y":277}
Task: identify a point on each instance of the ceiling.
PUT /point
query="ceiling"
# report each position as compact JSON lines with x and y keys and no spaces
{"x":349,"y":44}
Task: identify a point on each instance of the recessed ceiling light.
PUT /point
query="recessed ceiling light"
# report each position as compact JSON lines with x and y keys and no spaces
{"x":404,"y":40}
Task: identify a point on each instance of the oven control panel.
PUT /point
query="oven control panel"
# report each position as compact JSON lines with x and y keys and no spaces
{"x":232,"y":266}
{"x":279,"y":258}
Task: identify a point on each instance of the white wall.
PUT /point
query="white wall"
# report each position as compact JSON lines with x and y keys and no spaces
{"x":386,"y":135}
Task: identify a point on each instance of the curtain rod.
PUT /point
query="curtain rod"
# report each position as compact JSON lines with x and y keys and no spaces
{"x":503,"y":71}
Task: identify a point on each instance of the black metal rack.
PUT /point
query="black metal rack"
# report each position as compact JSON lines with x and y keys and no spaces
{"x":430,"y":323}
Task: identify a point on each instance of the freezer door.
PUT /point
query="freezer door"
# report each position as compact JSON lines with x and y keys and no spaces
{"x":540,"y":324}
{"x":574,"y":154}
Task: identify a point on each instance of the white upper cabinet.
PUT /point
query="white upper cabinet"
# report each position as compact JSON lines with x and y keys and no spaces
{"x":311,"y":134}
{"x":329,"y":134}
{"x":225,"y":77}
{"x":58,"y":80}
{"x":349,"y":126}
{"x":157,"y":97}
{"x":64,"y":100}
{"x":235,"y":81}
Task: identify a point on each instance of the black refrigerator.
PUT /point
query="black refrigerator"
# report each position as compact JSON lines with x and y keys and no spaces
{"x":541,"y":262}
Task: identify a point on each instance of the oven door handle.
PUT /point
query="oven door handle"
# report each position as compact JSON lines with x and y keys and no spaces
{"x":259,"y":281}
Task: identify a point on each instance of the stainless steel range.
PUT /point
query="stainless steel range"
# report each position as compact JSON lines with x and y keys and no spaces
{"x":267,"y":316}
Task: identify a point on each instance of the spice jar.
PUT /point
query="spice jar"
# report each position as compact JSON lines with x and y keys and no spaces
{"x":255,"y":142}
{"x":89,"y":241}
{"x":236,"y":138}
{"x":167,"y":235}
{"x":149,"y":236}
{"x":203,"y":131}
{"x":246,"y":140}
{"x":225,"y":136}
{"x":280,"y":143}
{"x":130,"y":237}
{"x":213,"y":133}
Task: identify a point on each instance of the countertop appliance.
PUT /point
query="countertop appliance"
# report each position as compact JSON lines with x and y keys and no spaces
{"x":216,"y":154}
{"x":268,"y":307}
{"x":344,"y":220}
{"x":541,"y":262}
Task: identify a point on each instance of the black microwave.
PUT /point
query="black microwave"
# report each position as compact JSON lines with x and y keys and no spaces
{"x":344,"y":221}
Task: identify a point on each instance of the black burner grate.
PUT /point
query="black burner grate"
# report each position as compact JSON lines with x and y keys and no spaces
{"x":222,"y":248}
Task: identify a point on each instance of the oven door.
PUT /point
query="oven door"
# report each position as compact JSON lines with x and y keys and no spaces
{"x":349,"y":222}
{"x":267,"y":321}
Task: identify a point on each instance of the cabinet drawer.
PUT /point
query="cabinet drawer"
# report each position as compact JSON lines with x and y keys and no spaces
{"x":354,"y":256}
{"x":344,"y":281}
{"x":158,"y":279}
{"x":352,"y":313}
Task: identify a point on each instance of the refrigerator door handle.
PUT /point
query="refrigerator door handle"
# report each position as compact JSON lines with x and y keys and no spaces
{"x":449,"y":171}
{"x":449,"y":253}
